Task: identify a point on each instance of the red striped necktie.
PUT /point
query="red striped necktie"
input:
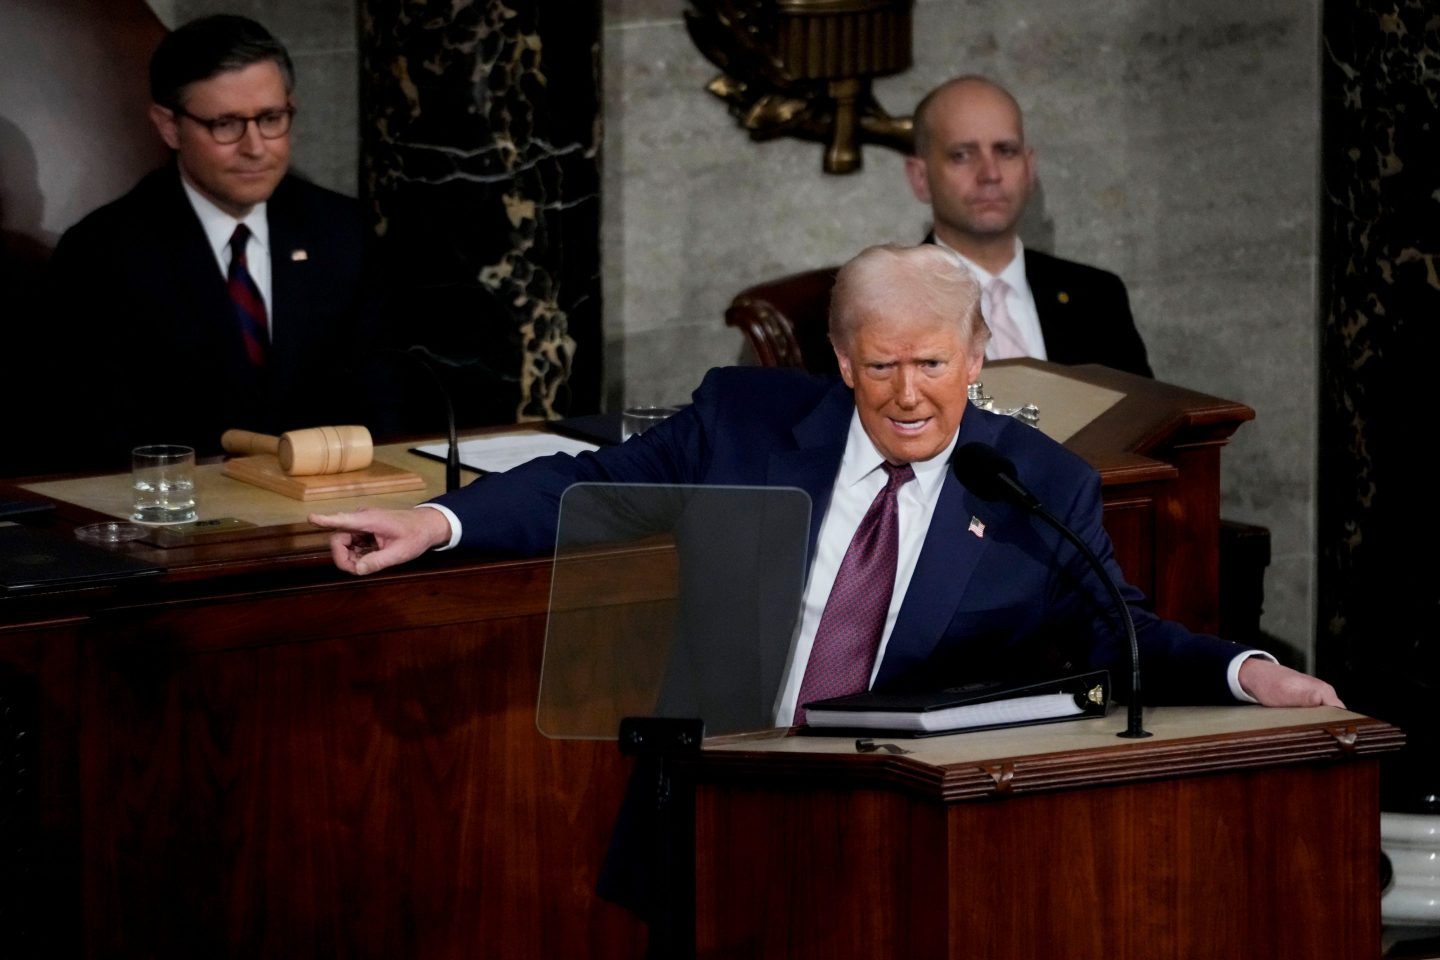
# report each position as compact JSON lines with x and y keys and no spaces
{"x":843,"y":653}
{"x":245,"y":297}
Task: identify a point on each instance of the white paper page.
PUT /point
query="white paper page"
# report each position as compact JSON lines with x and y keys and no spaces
{"x":499,"y":453}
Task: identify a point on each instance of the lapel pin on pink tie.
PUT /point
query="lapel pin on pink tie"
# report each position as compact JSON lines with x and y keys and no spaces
{"x":977,"y":528}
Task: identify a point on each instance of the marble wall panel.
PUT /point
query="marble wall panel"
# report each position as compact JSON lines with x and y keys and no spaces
{"x":1380,"y":278}
{"x":482,"y":164}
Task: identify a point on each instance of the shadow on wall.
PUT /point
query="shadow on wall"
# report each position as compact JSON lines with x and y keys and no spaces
{"x":24,"y":248}
{"x":1037,"y":226}
{"x":24,"y":243}
{"x":22,"y":205}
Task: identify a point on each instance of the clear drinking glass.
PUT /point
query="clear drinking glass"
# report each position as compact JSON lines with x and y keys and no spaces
{"x":635,"y":420}
{"x":163,"y":480}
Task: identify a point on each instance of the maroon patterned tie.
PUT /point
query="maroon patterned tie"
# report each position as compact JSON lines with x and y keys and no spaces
{"x":849,"y":633}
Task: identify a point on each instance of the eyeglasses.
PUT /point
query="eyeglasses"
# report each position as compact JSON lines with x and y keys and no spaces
{"x":272,"y":124}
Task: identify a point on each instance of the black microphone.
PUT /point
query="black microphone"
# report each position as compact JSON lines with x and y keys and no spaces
{"x":992,"y":476}
{"x":426,"y":360}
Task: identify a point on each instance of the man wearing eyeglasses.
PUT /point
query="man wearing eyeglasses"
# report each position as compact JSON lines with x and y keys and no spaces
{"x":222,"y":291}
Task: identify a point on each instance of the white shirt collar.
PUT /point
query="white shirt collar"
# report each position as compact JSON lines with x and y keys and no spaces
{"x":1013,"y":274}
{"x":219,"y":226}
{"x":861,"y":459}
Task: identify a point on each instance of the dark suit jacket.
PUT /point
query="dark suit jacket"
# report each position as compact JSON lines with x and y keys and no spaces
{"x":1015,"y":602}
{"x":145,"y":337}
{"x":1084,"y":314}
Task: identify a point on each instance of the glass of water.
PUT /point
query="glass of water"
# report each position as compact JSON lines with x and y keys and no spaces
{"x":635,"y":420}
{"x":163,"y":480}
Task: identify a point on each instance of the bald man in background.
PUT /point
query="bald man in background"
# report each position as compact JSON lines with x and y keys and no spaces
{"x":975,"y":170}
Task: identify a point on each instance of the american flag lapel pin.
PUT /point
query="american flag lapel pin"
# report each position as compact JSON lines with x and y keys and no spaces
{"x":298,"y":255}
{"x":977,"y":528}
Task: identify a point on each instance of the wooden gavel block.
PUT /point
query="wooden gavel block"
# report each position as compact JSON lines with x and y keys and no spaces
{"x":308,"y":452}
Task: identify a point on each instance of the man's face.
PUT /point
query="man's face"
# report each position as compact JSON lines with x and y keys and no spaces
{"x":976,"y":172}
{"x":236,"y":176}
{"x":910,"y":377}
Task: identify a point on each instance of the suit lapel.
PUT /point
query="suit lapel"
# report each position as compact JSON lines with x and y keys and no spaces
{"x":948,"y":558}
{"x":1052,"y":306}
{"x":812,"y":465}
{"x":194,"y":268}
{"x":203,"y":300}
{"x":289,"y":288}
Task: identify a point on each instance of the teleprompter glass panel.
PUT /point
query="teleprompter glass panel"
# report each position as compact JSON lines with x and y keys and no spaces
{"x":677,"y":601}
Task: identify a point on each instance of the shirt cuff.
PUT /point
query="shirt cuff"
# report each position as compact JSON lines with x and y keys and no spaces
{"x":1232,"y":674}
{"x":455,"y":532}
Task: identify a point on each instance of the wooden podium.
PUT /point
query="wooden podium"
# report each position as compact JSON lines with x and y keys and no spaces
{"x":1233,"y":832}
{"x":1157,"y":450}
{"x":256,"y":755}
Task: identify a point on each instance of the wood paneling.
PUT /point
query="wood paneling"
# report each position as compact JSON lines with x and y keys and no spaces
{"x":351,"y":769}
{"x":1179,"y":853}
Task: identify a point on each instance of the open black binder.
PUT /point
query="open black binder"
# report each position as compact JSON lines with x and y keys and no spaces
{"x":976,"y":706}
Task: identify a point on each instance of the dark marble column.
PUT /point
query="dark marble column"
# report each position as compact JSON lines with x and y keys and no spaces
{"x":1379,"y":527}
{"x":480,"y":156}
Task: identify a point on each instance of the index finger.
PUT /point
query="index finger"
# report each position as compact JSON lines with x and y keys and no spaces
{"x":339,"y":521}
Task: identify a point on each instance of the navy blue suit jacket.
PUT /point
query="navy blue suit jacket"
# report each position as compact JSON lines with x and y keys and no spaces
{"x":1016,"y":602}
{"x":146,"y":339}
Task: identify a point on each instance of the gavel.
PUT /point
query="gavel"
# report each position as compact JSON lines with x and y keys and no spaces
{"x":308,"y":452}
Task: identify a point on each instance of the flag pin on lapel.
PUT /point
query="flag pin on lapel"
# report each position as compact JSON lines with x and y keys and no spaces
{"x":977,"y":528}
{"x":298,"y":255}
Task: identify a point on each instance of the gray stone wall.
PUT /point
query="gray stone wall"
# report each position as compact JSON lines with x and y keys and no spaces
{"x":1177,"y":146}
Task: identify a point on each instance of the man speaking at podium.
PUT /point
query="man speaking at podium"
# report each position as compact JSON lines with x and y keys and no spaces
{"x":219,"y":291}
{"x":914,"y":582}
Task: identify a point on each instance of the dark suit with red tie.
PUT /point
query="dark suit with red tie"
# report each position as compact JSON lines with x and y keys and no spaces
{"x":148,"y":344}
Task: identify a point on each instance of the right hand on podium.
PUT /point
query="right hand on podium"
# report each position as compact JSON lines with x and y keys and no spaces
{"x":370,"y":540}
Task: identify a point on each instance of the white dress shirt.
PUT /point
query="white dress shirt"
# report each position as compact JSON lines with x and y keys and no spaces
{"x":1019,"y":299}
{"x":856,"y":485}
{"x":220,"y":226}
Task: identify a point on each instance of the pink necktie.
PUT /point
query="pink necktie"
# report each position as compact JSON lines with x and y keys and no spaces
{"x":1005,"y":338}
{"x":854,"y":618}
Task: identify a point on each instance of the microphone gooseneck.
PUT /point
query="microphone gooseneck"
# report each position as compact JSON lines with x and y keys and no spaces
{"x":452,"y":455}
{"x":992,"y":476}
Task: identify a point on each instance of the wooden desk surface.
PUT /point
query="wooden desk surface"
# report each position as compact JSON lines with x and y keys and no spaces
{"x":217,"y":495}
{"x":285,"y":543}
{"x":1184,"y":741}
